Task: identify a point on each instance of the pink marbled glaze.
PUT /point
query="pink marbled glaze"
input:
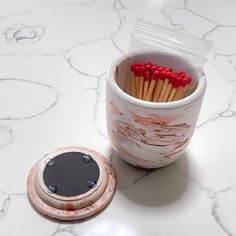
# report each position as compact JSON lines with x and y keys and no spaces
{"x":67,"y":209}
{"x":152,"y":130}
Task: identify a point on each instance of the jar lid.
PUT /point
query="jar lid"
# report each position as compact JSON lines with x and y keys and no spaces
{"x":71,"y":183}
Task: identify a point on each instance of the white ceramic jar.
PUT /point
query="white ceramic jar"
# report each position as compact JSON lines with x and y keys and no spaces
{"x":150,"y":134}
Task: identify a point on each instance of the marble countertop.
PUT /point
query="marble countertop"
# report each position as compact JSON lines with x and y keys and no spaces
{"x":53,"y":60}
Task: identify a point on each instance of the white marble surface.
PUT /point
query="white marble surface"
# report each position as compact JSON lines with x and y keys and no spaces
{"x":53,"y":59}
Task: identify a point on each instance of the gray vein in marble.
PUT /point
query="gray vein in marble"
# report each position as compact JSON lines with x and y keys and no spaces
{"x":98,"y":95}
{"x":221,"y":72}
{"x":186,"y":8}
{"x":212,"y":195}
{"x":56,"y":231}
{"x":39,"y":113}
{"x":25,"y":11}
{"x":97,"y":40}
{"x":116,"y":46}
{"x":227,"y":112}
{"x":136,"y":180}
{"x":233,"y":66}
{"x":69,"y":230}
{"x":223,"y":54}
{"x":210,"y":31}
{"x":74,"y":68}
{"x":8,"y":130}
{"x":118,"y":5}
{"x":83,"y":43}
{"x":68,"y":58}
{"x":215,"y":208}
{"x":215,"y":28}
{"x":121,"y":5}
{"x":120,"y":21}
{"x":5,"y":206}
{"x":174,"y":25}
{"x":23,"y":34}
{"x":119,"y":27}
{"x":95,"y":111}
{"x":221,"y":114}
{"x":7,"y":202}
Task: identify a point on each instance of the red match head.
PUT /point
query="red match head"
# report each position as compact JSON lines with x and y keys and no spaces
{"x":177,"y":82}
{"x":137,"y":70}
{"x":162,"y":75}
{"x":147,"y":76}
{"x":154,"y":68}
{"x":186,"y":80}
{"x":142,"y":70}
{"x":160,"y":68}
{"x":168,"y":69}
{"x":155,"y":75}
{"x":148,"y":67}
{"x":173,"y":78}
{"x":169,"y":74}
{"x":132,"y":67}
{"x":181,"y":74}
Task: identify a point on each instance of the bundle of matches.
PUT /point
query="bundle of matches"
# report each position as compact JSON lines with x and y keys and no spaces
{"x":155,"y":83}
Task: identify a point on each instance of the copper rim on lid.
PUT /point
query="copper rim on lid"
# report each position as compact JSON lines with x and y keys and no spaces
{"x":77,"y":207}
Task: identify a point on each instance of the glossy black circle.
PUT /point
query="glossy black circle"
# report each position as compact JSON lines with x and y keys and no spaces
{"x":71,"y":174}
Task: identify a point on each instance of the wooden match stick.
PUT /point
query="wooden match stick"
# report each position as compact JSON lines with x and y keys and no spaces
{"x":148,"y":67}
{"x":176,"y":84}
{"x":158,"y":84}
{"x":180,"y":90}
{"x":172,"y":78}
{"x":152,"y":85}
{"x":164,"y":87}
{"x":186,"y":83}
{"x":162,"y":75}
{"x":136,"y":73}
{"x":141,"y":82}
{"x":133,"y":84}
{"x":151,"y":68}
{"x":147,"y":77}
